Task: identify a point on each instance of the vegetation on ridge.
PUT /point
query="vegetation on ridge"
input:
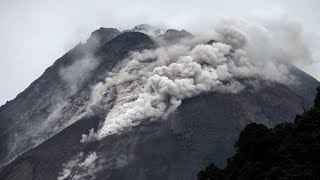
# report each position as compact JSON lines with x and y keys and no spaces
{"x":289,"y":151}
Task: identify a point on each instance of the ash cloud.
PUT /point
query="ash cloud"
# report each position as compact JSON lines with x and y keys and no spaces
{"x":270,"y":47}
{"x":152,"y":84}
{"x":81,"y":167}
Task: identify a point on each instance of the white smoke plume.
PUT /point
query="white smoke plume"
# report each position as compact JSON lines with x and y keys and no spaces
{"x":151,"y":84}
{"x":78,"y":72}
{"x":268,"y":46}
{"x":81,"y":167}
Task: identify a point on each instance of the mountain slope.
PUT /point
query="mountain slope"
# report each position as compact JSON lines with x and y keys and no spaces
{"x":35,"y":115}
{"x":203,"y":129}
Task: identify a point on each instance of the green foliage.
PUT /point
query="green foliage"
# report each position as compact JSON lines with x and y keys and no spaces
{"x":289,"y":151}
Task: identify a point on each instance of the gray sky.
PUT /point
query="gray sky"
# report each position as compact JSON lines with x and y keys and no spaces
{"x":34,"y":33}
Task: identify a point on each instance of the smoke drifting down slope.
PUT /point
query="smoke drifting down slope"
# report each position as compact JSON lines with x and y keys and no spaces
{"x":151,"y":84}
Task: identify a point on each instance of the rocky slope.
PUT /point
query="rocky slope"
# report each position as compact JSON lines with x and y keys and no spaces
{"x":51,"y":103}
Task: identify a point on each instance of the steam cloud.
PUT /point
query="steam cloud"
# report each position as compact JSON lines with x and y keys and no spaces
{"x":152,"y":84}
{"x":77,"y":73}
{"x":81,"y":167}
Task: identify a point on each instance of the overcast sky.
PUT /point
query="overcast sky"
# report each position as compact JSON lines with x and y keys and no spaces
{"x":34,"y":33}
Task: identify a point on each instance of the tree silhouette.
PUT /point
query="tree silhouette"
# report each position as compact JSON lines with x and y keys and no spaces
{"x":289,"y":151}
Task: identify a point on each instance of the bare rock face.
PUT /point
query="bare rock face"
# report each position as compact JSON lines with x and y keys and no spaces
{"x":203,"y":129}
{"x":101,"y":36}
{"x":172,"y":35}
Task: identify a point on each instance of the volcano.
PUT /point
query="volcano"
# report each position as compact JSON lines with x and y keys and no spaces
{"x":145,"y":104}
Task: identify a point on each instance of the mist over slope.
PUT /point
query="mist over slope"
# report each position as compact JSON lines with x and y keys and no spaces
{"x":121,"y":93}
{"x":54,"y":101}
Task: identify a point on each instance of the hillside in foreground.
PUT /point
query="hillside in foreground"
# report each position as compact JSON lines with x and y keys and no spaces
{"x":287,"y":151}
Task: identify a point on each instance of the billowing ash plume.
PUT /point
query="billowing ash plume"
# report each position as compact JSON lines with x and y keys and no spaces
{"x":276,"y":43}
{"x":151,"y":84}
{"x":81,"y":167}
